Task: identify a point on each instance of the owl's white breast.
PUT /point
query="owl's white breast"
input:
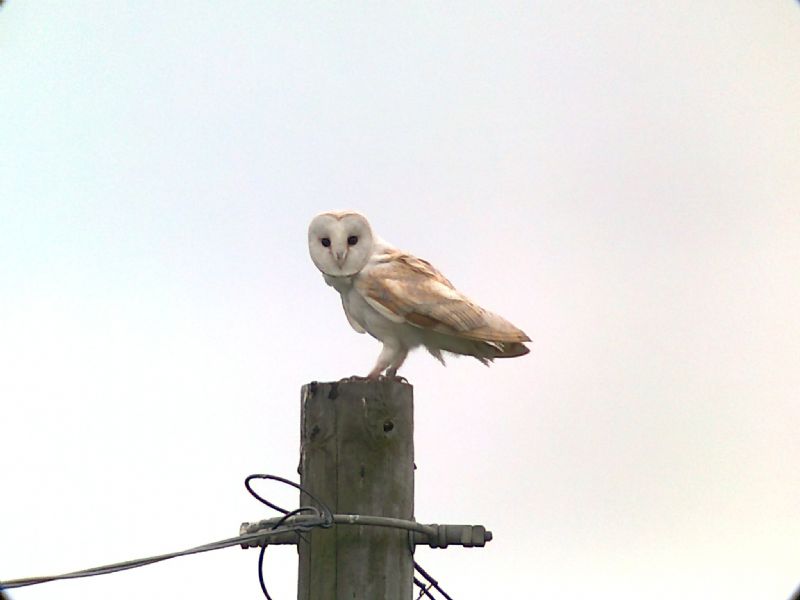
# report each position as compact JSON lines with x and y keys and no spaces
{"x":370,"y":320}
{"x":340,"y":284}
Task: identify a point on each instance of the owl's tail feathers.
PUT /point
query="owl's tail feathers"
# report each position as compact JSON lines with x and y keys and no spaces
{"x":436,"y":353}
{"x":497,"y":338}
{"x":485,"y":351}
{"x":508,"y":349}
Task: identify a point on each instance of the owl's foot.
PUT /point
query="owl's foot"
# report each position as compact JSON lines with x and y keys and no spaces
{"x":377,"y":377}
{"x":391,"y":374}
{"x":389,"y":377}
{"x":355,"y":378}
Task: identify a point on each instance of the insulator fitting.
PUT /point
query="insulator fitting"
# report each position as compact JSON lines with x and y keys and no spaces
{"x":284,"y":537}
{"x":469,"y":536}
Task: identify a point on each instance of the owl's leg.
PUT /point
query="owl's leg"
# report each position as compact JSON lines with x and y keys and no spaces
{"x":397,"y":363}
{"x":387,"y":358}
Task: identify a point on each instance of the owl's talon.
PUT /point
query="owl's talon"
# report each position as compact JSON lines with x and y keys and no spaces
{"x":379,"y":377}
{"x":354,"y":378}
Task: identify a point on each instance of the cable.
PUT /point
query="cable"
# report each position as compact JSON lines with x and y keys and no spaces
{"x":318,"y":519}
{"x":261,"y":499}
{"x":424,"y":590}
{"x":141,"y":562}
{"x":261,"y":581}
{"x":796,"y":595}
{"x":324,"y":518}
{"x":299,"y":520}
{"x":325,"y":510}
{"x":428,"y":530}
{"x":430,"y":579}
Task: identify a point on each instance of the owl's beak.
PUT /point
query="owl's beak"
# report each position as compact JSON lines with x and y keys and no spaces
{"x":340,"y":256}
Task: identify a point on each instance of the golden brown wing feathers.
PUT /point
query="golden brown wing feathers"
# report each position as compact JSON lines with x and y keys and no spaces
{"x":412,"y":290}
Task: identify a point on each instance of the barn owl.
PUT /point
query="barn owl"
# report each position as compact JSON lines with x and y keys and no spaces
{"x":401,"y":300}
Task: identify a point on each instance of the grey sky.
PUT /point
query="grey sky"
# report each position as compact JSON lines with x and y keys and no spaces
{"x":619,"y":181}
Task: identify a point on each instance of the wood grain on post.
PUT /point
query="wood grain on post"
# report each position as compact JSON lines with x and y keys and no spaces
{"x":357,"y":455}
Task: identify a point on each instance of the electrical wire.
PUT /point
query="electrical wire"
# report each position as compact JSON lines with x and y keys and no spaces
{"x":424,"y":590}
{"x":260,"y":498}
{"x":431,"y":580}
{"x":326,"y":515}
{"x":141,"y":562}
{"x":261,"y":582}
{"x":299,"y":520}
{"x":428,"y":531}
{"x":796,"y":595}
{"x":323,"y":518}
{"x":326,"y":511}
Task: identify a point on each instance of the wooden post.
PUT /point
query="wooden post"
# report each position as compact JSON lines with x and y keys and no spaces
{"x":357,"y":455}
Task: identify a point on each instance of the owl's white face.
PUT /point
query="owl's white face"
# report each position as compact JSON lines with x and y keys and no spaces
{"x":340,"y":243}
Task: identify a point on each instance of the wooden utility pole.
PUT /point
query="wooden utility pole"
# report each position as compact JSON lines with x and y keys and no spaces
{"x":357,"y":455}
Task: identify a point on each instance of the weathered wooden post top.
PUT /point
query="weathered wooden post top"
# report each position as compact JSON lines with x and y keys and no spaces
{"x":357,"y":457}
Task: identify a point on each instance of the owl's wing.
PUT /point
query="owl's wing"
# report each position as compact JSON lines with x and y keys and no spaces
{"x":406,"y":289}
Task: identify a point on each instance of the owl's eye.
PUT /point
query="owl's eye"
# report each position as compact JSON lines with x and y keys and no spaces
{"x":326,"y":242}
{"x":352,"y":240}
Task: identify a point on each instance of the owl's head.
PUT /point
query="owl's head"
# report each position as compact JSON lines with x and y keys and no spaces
{"x":340,"y":243}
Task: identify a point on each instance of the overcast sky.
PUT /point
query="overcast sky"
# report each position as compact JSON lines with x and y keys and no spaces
{"x":620,"y":180}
